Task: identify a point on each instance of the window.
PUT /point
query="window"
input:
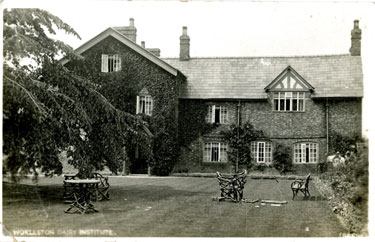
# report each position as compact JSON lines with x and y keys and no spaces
{"x":111,"y":63}
{"x":289,"y":101}
{"x":217,"y":114}
{"x":261,"y":151}
{"x":215,"y":152}
{"x":306,"y":153}
{"x":144,"y":105}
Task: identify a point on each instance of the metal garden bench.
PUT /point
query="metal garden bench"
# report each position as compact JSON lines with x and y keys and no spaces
{"x":301,"y":185}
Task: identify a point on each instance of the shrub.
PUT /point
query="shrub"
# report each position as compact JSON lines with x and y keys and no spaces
{"x":340,"y":143}
{"x":282,"y":159}
{"x":349,"y":183}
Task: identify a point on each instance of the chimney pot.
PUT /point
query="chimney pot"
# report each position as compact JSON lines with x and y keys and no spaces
{"x":131,"y":22}
{"x":143,"y":44}
{"x":184,"y":30}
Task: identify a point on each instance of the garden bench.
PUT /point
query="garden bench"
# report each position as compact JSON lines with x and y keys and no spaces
{"x":99,"y":193}
{"x":231,"y":186}
{"x":301,"y":185}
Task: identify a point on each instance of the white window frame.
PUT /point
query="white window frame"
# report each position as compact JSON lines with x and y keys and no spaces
{"x":223,"y":114}
{"x":300,"y":155}
{"x":222,"y":155}
{"x":256,"y":149}
{"x":145,"y":105}
{"x":288,"y":96}
{"x":111,"y":63}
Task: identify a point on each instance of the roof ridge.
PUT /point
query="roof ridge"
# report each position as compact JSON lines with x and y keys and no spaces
{"x":255,"y":57}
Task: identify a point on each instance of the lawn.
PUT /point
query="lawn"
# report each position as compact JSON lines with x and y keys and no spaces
{"x":169,"y":207}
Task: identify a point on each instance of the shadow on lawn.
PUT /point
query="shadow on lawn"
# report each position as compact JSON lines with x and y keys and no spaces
{"x":21,"y":193}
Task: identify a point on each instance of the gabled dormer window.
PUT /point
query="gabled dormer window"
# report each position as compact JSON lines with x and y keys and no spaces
{"x":289,"y":101}
{"x":111,"y":63}
{"x":217,"y":114}
{"x":289,"y":91}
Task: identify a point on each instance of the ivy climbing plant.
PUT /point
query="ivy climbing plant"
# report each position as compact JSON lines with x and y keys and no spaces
{"x":239,"y":139}
{"x":122,"y":87}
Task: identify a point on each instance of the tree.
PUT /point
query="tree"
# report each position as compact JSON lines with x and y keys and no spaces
{"x":47,"y":109}
{"x":239,"y":139}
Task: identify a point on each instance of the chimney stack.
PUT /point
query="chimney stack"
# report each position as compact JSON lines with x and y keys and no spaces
{"x":129,"y":31}
{"x":355,"y":49}
{"x":184,"y":45}
{"x":154,"y":51}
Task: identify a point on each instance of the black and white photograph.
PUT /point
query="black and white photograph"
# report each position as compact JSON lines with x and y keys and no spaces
{"x":142,"y":120}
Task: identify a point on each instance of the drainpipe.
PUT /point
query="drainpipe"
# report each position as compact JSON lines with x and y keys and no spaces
{"x":238,"y":132}
{"x":327,"y":125}
{"x":124,"y":162}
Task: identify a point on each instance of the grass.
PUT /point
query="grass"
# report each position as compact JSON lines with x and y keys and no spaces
{"x":170,"y":207}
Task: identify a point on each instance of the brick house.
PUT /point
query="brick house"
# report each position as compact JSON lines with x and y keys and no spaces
{"x":136,"y":81}
{"x":296,"y":101}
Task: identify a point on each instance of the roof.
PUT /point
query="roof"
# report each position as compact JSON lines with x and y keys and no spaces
{"x":247,"y":77}
{"x":126,"y":41}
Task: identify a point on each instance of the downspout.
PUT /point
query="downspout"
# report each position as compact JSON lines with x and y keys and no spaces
{"x":238,"y":132}
{"x":327,"y":125}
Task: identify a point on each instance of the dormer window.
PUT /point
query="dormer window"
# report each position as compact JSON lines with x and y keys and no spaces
{"x":289,"y":91}
{"x":289,"y":101}
{"x":111,"y":63}
{"x":217,"y":114}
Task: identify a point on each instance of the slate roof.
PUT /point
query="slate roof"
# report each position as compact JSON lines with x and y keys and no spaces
{"x":246,"y":77}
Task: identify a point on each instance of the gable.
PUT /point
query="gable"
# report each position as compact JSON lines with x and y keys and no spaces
{"x":129,"y":43}
{"x":289,"y":80}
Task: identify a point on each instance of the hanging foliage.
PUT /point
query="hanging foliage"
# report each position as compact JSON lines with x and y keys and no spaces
{"x":47,"y":108}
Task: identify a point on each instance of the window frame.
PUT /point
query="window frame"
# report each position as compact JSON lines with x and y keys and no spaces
{"x":306,"y":153}
{"x":145,"y":105}
{"x":222,"y":112}
{"x":111,"y":63}
{"x":287,"y":98}
{"x":208,"y":152}
{"x":255,"y":147}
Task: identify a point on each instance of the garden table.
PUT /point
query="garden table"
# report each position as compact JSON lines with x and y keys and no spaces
{"x":82,"y":195}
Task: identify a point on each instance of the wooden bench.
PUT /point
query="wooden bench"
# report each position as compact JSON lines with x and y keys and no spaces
{"x":231,"y":186}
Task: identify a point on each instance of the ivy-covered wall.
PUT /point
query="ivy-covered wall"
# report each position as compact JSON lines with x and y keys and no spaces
{"x":122,"y":87}
{"x":278,"y":127}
